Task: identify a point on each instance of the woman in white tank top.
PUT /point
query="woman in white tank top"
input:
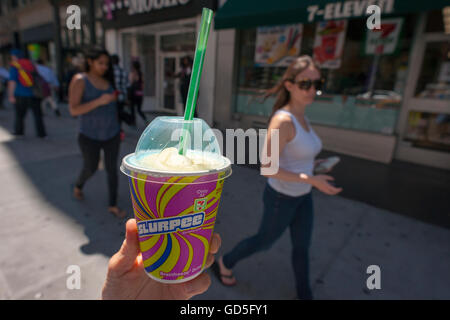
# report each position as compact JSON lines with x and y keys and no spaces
{"x":287,"y":196}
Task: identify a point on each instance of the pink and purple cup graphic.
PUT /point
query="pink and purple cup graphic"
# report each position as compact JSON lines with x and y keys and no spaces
{"x":175,"y":214}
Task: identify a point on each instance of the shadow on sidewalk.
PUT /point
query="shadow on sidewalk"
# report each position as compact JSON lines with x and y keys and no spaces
{"x":51,"y":165}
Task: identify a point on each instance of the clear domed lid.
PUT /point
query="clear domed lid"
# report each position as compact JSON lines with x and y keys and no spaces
{"x":165,"y":136}
{"x":165,"y":132}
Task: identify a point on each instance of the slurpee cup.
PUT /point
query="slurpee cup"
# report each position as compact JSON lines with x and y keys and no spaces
{"x":175,"y":198}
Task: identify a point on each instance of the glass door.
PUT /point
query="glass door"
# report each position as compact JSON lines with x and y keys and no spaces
{"x":170,"y":96}
{"x":147,"y":53}
{"x":424,"y":134}
{"x":170,"y":93}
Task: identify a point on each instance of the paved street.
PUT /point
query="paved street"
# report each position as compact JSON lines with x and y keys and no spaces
{"x":44,"y":231}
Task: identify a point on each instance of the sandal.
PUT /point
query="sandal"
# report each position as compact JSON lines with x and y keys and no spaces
{"x":77,"y":193}
{"x":117,"y":212}
{"x":216,"y":269}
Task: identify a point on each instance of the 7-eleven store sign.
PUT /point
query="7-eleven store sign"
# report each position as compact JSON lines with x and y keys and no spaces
{"x":385,"y":39}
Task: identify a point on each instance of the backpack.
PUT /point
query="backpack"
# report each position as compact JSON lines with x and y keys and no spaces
{"x":41,"y":88}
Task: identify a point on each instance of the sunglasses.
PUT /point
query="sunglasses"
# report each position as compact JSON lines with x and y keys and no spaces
{"x":306,"y":84}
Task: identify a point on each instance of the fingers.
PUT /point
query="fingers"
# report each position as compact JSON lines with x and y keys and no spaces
{"x":215,"y":243}
{"x":197,"y":285}
{"x":209,"y":261}
{"x":111,"y":97}
{"x":333,"y":190}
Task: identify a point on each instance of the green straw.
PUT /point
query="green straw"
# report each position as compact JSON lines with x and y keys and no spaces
{"x":197,"y":67}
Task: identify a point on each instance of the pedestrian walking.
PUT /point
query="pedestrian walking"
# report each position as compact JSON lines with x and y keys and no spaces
{"x":4,"y":77}
{"x":121,"y":82}
{"x":21,"y":90}
{"x":50,"y":77}
{"x":287,"y":196}
{"x":136,"y":91}
{"x":73,"y":66}
{"x":92,"y":98}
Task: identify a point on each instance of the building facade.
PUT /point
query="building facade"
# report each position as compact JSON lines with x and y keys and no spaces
{"x":159,"y":34}
{"x":70,"y":43}
{"x":39,"y":28}
{"x":386,"y":94}
{"x":27,"y":24}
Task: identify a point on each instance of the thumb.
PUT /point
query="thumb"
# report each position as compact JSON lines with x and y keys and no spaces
{"x":130,"y":247}
{"x":124,"y":260}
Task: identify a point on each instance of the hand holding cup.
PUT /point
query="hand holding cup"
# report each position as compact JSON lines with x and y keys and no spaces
{"x":126,"y":277}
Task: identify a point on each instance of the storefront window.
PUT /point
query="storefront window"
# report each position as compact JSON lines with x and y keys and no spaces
{"x":148,"y":64}
{"x":127,"y":54}
{"x":434,"y":79}
{"x":429,"y":130}
{"x":435,"y":20}
{"x":38,"y":51}
{"x":178,"y":42}
{"x":363,"y":86}
{"x":99,"y":33}
{"x":141,"y":47}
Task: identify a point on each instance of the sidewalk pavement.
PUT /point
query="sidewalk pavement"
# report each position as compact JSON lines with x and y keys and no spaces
{"x":44,"y":232}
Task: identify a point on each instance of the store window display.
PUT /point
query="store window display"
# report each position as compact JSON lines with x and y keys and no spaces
{"x":429,"y":127}
{"x":364,"y":81}
{"x":434,"y":79}
{"x":429,"y":130}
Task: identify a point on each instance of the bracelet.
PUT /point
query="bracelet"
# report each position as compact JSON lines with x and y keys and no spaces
{"x":304,"y":176}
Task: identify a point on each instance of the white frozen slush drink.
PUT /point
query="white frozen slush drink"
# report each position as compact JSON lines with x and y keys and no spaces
{"x":170,"y":160}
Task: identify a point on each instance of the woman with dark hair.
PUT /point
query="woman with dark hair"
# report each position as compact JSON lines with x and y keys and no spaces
{"x":92,"y":98}
{"x":136,"y":93}
{"x":287,"y":196}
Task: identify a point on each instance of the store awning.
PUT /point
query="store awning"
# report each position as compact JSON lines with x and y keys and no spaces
{"x":241,"y":14}
{"x":42,"y":33}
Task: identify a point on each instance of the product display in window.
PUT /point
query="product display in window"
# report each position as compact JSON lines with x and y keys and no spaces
{"x":363,"y":89}
{"x":434,"y":78}
{"x":278,"y":46}
{"x":429,"y":130}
